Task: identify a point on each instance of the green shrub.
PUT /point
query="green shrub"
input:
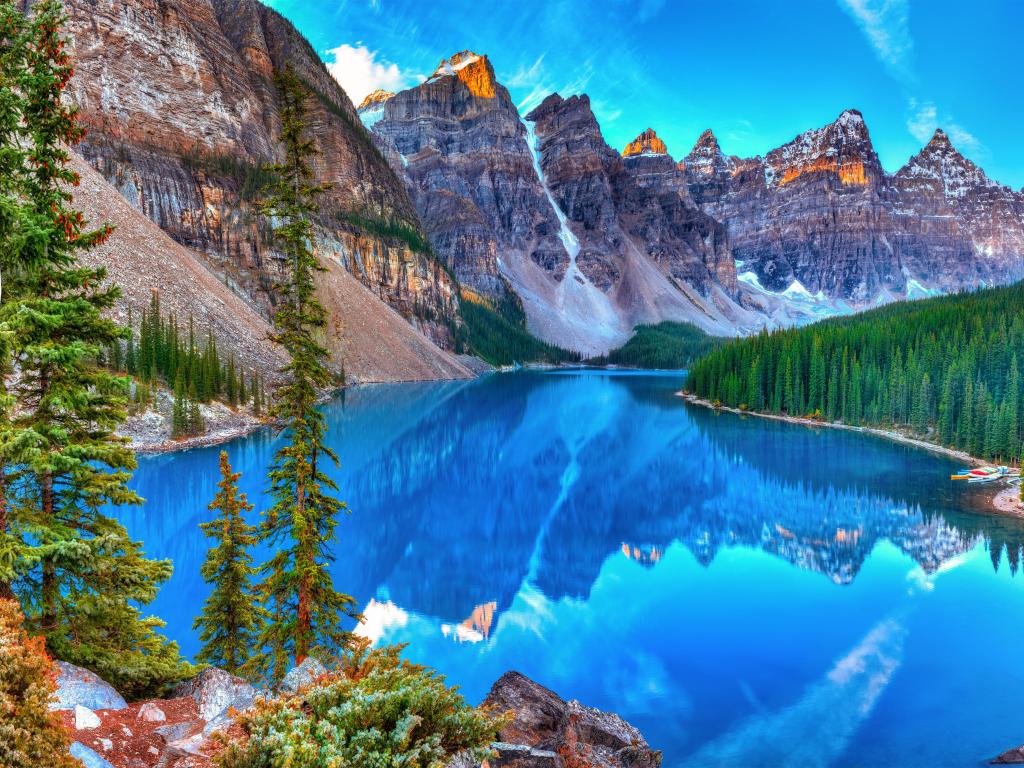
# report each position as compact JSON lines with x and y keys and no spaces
{"x":375,"y":711}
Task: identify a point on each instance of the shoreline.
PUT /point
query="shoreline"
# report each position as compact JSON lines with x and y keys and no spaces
{"x":1005,"y":502}
{"x":198,"y":441}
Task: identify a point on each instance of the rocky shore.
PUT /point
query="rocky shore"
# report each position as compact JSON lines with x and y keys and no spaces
{"x":149,"y":431}
{"x":178,"y":732}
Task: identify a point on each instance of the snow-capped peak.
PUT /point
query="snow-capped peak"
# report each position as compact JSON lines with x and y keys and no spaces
{"x":375,"y":99}
{"x":939,"y":161}
{"x":473,"y":70}
{"x":707,"y":157}
{"x":371,"y":109}
{"x":843,"y":147}
{"x":448,"y":67}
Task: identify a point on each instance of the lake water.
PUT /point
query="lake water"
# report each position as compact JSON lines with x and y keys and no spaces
{"x":744,"y":591}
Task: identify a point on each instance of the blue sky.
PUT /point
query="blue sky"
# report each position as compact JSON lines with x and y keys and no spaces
{"x":757,"y":73}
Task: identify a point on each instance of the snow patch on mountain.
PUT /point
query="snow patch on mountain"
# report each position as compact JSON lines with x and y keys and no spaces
{"x":580,"y":304}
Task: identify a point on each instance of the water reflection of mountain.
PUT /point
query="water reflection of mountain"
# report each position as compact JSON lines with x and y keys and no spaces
{"x":529,"y":477}
{"x":462,"y":492}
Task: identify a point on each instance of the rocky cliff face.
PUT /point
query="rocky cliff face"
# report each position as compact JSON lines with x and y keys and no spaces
{"x":819,"y":221}
{"x":180,"y":105}
{"x":957,"y":226}
{"x":461,"y":146}
{"x":543,"y":207}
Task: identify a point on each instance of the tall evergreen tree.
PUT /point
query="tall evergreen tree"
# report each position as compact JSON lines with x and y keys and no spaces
{"x":84,"y":578}
{"x":306,"y":610}
{"x":231,"y":619}
{"x":20,"y":245}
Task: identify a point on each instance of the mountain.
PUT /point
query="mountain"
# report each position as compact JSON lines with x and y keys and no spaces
{"x":371,"y":108}
{"x":368,"y":340}
{"x":818,"y":220}
{"x":544,"y":210}
{"x":444,"y":192}
{"x":966,"y":229}
{"x":181,"y":113}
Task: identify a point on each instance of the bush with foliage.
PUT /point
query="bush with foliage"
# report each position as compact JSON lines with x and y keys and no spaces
{"x":375,"y":711}
{"x":31,"y":735}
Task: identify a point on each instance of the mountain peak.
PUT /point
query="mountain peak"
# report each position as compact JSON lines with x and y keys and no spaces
{"x":707,"y":141}
{"x":940,"y":162}
{"x":471,"y":68}
{"x":842,"y":147}
{"x":707,"y":158}
{"x":850,"y":117}
{"x":374,"y":100}
{"x":940,"y":141}
{"x":647,"y":143}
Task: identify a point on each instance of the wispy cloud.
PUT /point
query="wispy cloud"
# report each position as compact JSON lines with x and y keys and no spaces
{"x":361,"y":71}
{"x":885,"y":23}
{"x":923,"y":119}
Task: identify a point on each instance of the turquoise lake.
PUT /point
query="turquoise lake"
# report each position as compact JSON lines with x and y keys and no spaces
{"x":746,"y":592}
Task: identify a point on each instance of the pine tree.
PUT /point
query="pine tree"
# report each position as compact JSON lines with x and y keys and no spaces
{"x":31,"y":734}
{"x":179,"y":417}
{"x":195,"y":416}
{"x":231,"y":619}
{"x":257,"y":394}
{"x":306,"y":610}
{"x":83,"y":582}
{"x":21,"y":245}
{"x":243,"y":396}
{"x":231,"y":382}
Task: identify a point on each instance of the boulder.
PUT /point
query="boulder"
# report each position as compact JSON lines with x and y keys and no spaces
{"x":80,"y":687}
{"x":1013,"y":756}
{"x":88,"y":757}
{"x":178,"y":731}
{"x":216,"y":692}
{"x":85,"y":718}
{"x":302,"y":675}
{"x":151,"y":713}
{"x":548,"y":732}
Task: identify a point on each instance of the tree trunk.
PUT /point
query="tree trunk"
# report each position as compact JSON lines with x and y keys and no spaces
{"x":50,"y":587}
{"x":6,"y":593}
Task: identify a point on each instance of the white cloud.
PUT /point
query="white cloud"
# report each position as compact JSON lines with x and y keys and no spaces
{"x":361,"y":71}
{"x":886,"y":26}
{"x":923,"y":119}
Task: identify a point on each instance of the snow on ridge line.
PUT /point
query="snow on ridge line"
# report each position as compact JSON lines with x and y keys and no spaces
{"x":447,"y":69}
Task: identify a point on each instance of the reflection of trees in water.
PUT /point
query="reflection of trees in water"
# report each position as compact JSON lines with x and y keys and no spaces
{"x":1003,"y":536}
{"x":828,"y":458}
{"x":453,"y":489}
{"x":657,"y":476}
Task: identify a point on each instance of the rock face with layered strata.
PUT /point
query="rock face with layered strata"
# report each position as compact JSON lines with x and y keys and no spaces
{"x":179,"y":101}
{"x":463,"y":151}
{"x":819,"y":217}
{"x":542,"y":206}
{"x":958,"y":227}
